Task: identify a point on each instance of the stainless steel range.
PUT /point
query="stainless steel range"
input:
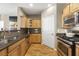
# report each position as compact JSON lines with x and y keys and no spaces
{"x":66,"y":45}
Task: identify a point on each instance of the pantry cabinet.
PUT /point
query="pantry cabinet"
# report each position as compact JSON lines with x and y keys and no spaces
{"x":3,"y":52}
{"x":35,"y":38}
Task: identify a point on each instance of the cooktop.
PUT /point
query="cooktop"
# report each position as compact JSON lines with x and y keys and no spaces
{"x":72,"y":39}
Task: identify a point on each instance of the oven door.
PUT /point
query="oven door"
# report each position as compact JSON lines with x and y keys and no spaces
{"x":63,"y":49}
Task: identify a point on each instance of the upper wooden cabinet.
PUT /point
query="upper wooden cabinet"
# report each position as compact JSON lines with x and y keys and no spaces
{"x":24,"y":22}
{"x":24,"y":46}
{"x":66,"y":11}
{"x":36,"y":23}
{"x":74,"y":7}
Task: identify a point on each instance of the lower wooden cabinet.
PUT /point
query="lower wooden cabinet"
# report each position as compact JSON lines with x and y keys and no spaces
{"x":35,"y":38}
{"x":23,"y":47}
{"x":3,"y":52}
{"x":19,"y":48}
{"x":77,"y":50}
{"x":15,"y":52}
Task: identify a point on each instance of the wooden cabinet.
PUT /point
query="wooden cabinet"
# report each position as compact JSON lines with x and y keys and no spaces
{"x":18,"y":49}
{"x":36,"y":23}
{"x":62,"y":20}
{"x":12,"y":47}
{"x":66,"y":11}
{"x":77,"y":50}
{"x":23,"y":47}
{"x":3,"y":52}
{"x":15,"y":52}
{"x":74,"y":7}
{"x":35,"y":38}
{"x":24,"y":22}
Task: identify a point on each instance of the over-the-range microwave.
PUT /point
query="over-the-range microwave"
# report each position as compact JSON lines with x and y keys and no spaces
{"x":72,"y":20}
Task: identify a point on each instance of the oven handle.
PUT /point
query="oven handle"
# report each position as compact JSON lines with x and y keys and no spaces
{"x":64,"y":44}
{"x":69,"y":48}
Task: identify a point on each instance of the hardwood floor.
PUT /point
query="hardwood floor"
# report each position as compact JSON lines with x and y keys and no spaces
{"x":40,"y":50}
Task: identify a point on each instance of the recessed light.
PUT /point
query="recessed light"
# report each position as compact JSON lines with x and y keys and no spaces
{"x":31,"y":5}
{"x":49,"y":5}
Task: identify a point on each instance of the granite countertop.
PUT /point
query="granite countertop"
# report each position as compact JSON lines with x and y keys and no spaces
{"x":10,"y":42}
{"x":71,"y":39}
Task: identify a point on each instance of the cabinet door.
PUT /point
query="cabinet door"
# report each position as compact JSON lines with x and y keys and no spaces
{"x":3,"y":52}
{"x":35,"y":38}
{"x":24,"y":22}
{"x":12,"y":47}
{"x":77,"y":50}
{"x":74,"y":7}
{"x":36,"y":23}
{"x":62,"y":20}
{"x":15,"y":52}
{"x":66,"y":11}
{"x":23,"y":47}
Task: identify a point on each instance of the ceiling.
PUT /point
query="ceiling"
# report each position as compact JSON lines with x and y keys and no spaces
{"x":11,"y":8}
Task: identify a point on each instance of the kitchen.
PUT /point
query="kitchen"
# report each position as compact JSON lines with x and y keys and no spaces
{"x":39,"y":29}
{"x":22,"y":32}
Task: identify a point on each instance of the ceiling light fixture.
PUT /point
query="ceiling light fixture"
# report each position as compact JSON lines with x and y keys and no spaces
{"x":49,"y":5}
{"x":31,"y":5}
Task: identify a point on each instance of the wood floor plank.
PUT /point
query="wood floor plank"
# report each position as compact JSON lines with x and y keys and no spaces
{"x":40,"y":50}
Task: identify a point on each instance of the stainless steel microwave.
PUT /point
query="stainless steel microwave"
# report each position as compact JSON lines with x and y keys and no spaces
{"x":73,"y":19}
{"x":76,"y":22}
{"x":69,"y":21}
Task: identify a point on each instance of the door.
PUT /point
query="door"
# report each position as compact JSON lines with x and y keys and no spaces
{"x":48,"y":31}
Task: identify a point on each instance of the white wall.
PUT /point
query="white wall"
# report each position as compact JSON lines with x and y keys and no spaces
{"x":50,"y":11}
